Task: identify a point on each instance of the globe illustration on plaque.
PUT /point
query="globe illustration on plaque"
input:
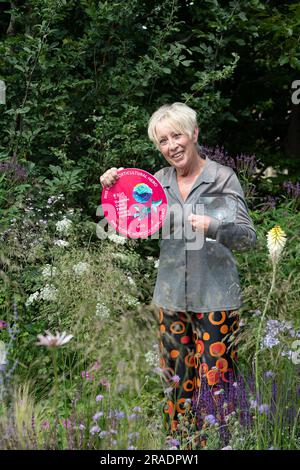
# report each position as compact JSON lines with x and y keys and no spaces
{"x":142,"y":193}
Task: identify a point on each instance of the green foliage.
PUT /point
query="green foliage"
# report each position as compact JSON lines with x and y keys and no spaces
{"x":82,"y":80}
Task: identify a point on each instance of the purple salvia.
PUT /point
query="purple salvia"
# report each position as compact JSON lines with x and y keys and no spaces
{"x":16,"y":171}
{"x":269,"y":204}
{"x":231,"y":392}
{"x":247,"y":164}
{"x":203,"y":402}
{"x":243,"y":403}
{"x":293,"y":190}
{"x":218,"y":154}
{"x":210,"y":406}
{"x":220,"y":400}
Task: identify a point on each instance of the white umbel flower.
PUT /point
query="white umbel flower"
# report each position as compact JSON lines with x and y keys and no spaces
{"x":130,"y":300}
{"x":102,"y":311}
{"x":276,"y":239}
{"x":81,"y":268}
{"x":152,"y":357}
{"x":48,"y":292}
{"x":63,"y":226}
{"x":61,"y":243}
{"x":51,"y":341}
{"x":32,"y":298}
{"x":48,"y":271}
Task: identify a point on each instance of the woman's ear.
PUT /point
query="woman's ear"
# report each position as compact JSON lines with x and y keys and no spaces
{"x":195,"y":135}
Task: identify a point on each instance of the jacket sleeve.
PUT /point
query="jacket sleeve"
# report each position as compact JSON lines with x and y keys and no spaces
{"x":239,"y":235}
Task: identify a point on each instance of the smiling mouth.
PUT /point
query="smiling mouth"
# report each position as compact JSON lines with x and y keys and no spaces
{"x":177,"y":156}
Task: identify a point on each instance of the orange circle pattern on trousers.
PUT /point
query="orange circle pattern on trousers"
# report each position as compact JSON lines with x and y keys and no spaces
{"x":217,"y":349}
{"x":161,"y":315}
{"x":175,"y":327}
{"x":194,"y":347}
{"x":189,"y":385}
{"x":224,"y":329}
{"x":199,"y":347}
{"x":222,"y":364}
{"x":217,"y":322}
{"x":174,"y":353}
{"x":182,"y":406}
{"x":189,"y":360}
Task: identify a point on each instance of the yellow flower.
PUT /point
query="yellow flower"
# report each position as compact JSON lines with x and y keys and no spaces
{"x":276,"y":240}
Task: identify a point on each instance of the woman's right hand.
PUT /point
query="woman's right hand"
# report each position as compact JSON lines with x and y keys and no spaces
{"x":110,"y":177}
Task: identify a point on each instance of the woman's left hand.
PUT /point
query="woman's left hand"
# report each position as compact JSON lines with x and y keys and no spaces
{"x":199,"y":222}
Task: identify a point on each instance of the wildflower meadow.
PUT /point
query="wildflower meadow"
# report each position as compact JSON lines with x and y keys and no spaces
{"x":79,"y":355}
{"x":74,"y":371}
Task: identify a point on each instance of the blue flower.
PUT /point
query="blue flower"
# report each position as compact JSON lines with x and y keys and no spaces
{"x":269,"y":374}
{"x":94,"y":430}
{"x":263,"y":408}
{"x":98,"y":415}
{"x":211,"y":419}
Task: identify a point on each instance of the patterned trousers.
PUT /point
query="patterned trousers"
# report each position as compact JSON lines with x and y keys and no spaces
{"x":194,"y":347}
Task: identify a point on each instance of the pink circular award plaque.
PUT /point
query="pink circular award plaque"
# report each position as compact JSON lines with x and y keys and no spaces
{"x":136,"y":205}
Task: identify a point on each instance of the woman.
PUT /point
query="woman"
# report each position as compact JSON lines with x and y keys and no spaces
{"x":197,"y":293}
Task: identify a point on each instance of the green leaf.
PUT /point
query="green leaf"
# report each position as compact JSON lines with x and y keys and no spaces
{"x":283,"y":60}
{"x":19,"y":67}
{"x":242,"y":16}
{"x":186,"y":63}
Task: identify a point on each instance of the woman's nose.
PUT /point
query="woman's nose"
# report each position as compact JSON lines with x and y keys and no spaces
{"x":172,"y":143}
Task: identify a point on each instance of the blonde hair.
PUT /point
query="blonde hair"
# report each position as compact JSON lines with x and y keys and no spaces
{"x":179,"y":115}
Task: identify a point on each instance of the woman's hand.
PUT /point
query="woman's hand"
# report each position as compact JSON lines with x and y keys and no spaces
{"x":199,"y":222}
{"x":110,"y":177}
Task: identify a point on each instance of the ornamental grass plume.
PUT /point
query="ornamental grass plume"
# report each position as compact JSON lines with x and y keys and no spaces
{"x":51,"y":341}
{"x":276,"y":240}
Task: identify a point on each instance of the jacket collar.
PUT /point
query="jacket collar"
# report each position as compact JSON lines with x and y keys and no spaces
{"x":208,"y":175}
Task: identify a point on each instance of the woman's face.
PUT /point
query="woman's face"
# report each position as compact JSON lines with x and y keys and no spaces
{"x":178,"y":149}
